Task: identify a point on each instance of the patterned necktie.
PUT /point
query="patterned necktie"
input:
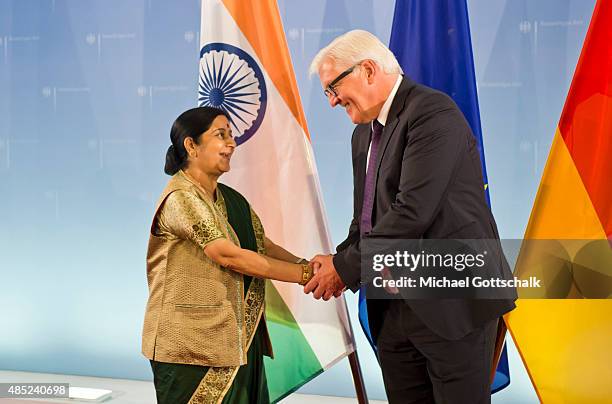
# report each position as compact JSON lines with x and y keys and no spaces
{"x":370,"y":187}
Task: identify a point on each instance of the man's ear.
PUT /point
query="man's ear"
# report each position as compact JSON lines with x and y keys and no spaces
{"x":370,"y":69}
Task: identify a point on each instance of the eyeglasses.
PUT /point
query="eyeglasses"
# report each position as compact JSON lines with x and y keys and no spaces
{"x":331,"y":87}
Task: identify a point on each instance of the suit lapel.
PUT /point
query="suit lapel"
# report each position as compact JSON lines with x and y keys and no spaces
{"x":392,"y":120}
{"x":384,"y":141}
{"x":363,"y":143}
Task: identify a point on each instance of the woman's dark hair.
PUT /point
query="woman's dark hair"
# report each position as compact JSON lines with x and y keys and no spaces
{"x":191,"y":123}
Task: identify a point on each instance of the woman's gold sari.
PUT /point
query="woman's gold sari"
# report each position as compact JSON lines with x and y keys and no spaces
{"x":233,"y":217}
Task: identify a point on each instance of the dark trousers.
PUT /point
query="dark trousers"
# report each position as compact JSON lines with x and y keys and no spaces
{"x":420,"y":367}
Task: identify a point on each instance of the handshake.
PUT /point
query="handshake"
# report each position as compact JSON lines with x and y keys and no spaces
{"x":325,"y":282}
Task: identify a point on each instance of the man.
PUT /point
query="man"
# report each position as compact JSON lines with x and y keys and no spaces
{"x":417,"y":175}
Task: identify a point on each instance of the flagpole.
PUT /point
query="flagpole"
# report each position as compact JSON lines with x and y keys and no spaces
{"x":500,"y":340}
{"x":362,"y":396}
{"x":360,"y":390}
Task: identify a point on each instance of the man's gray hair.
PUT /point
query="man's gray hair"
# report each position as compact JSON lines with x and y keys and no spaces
{"x":353,"y":47}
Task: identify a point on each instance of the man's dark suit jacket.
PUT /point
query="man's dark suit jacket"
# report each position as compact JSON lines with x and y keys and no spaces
{"x":429,"y":185}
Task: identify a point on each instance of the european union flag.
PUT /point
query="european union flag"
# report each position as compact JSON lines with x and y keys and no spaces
{"x":431,"y":40}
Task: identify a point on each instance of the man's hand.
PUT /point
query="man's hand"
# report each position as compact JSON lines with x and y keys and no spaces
{"x":386,"y":275}
{"x":325,"y":283}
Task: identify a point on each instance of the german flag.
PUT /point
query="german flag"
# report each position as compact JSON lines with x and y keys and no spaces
{"x":566,"y":344}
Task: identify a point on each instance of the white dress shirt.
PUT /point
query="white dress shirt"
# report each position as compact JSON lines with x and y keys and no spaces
{"x":384,"y":111}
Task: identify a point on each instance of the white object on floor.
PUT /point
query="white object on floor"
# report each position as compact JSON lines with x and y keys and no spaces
{"x":130,"y":391}
{"x":122,"y":391}
{"x":89,"y":394}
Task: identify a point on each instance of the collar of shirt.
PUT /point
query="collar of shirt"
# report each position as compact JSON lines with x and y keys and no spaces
{"x":384,"y":111}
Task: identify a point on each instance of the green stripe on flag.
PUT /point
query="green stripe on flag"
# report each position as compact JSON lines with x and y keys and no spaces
{"x":294,"y":363}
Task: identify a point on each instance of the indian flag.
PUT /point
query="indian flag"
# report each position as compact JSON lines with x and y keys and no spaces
{"x":566,"y":343}
{"x":246,"y":70}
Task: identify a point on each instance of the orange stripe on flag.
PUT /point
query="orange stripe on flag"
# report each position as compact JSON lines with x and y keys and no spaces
{"x":563,"y":209}
{"x":260,"y":23}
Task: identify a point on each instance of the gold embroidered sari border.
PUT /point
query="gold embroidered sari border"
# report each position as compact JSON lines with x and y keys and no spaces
{"x":217,"y":381}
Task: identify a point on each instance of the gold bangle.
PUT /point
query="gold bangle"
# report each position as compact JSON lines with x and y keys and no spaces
{"x":307,"y":274}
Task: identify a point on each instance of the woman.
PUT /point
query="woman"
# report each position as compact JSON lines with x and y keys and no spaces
{"x":204,"y":330}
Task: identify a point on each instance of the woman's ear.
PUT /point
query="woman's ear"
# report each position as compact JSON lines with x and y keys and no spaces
{"x":190,"y":147}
